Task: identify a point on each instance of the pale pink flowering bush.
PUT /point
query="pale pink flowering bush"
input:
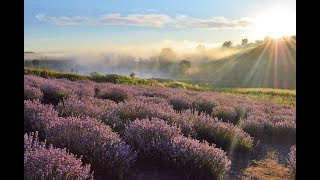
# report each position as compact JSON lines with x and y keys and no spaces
{"x":99,"y":145}
{"x":41,"y":162}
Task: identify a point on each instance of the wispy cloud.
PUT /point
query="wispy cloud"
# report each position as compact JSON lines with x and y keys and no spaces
{"x":152,"y":10}
{"x":218,"y":22}
{"x":149,"y":20}
{"x":152,"y":20}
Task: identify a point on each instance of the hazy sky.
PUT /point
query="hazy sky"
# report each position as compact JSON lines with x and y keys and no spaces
{"x":63,"y":25}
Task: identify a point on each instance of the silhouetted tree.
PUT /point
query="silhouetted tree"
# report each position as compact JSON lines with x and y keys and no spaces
{"x":36,"y":63}
{"x":132,"y":75}
{"x":267,"y":39}
{"x":166,"y":59}
{"x":201,"y":48}
{"x":184,"y":65}
{"x":227,"y":44}
{"x":244,"y":41}
{"x":259,"y":41}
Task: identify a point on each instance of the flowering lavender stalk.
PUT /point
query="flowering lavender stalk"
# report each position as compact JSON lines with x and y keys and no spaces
{"x":85,"y":106}
{"x":99,"y":145}
{"x":31,"y":93}
{"x":126,"y":112}
{"x":114,"y":92}
{"x":222,"y":134}
{"x":158,"y":141}
{"x":51,"y":163}
{"x":38,"y":117}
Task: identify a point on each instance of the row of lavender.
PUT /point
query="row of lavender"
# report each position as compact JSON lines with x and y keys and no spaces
{"x":97,"y":120}
{"x":255,"y":118}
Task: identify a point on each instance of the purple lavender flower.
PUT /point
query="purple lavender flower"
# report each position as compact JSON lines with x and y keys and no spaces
{"x":41,"y":162}
{"x":99,"y":145}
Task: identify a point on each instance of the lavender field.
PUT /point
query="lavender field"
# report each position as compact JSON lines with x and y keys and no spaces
{"x":89,"y":130}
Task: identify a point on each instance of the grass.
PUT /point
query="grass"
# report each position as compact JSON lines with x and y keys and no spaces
{"x":280,"y":96}
{"x":113,"y":78}
{"x":267,"y":169}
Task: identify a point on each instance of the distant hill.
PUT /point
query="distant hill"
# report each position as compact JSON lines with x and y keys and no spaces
{"x":270,"y":65}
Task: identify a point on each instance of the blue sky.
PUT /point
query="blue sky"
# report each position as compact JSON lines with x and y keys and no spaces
{"x":66,"y":24}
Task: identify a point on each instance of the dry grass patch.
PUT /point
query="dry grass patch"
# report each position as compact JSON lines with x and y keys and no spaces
{"x":267,"y":169}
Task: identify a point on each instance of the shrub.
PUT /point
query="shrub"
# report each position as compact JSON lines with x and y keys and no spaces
{"x":99,"y":145}
{"x":273,"y":121}
{"x":151,"y":137}
{"x":85,"y":106}
{"x":51,"y":163}
{"x":31,"y":93}
{"x":292,"y":160}
{"x":180,"y":102}
{"x":158,"y":141}
{"x":115,"y":94}
{"x":199,"y":159}
{"x":53,"y":91}
{"x":135,"y":109}
{"x":224,"y":135}
{"x":38,"y":117}
{"x":129,"y":111}
{"x":204,"y":106}
{"x":226,"y":114}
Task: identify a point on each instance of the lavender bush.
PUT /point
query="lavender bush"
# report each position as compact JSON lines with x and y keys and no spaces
{"x":199,"y":159}
{"x":226,"y":114}
{"x":31,"y":93}
{"x":99,"y":145}
{"x":51,"y":163}
{"x":151,"y":137}
{"x":85,"y":106}
{"x":126,"y":112}
{"x":222,"y":134}
{"x":159,"y":141}
{"x":38,"y":117}
{"x":257,"y":118}
{"x":115,"y":93}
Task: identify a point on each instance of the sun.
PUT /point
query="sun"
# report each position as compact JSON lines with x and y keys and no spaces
{"x":275,"y":23}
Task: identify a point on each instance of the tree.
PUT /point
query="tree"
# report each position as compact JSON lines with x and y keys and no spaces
{"x":259,"y":41}
{"x":244,"y":41}
{"x":132,"y":75}
{"x":227,"y":44}
{"x":267,"y":39}
{"x":166,"y":59}
{"x":36,"y":63}
{"x":201,"y":48}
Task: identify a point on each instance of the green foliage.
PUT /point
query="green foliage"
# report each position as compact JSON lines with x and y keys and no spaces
{"x":244,"y":41}
{"x":227,"y":44}
{"x":46,"y":73}
{"x":280,"y":96}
